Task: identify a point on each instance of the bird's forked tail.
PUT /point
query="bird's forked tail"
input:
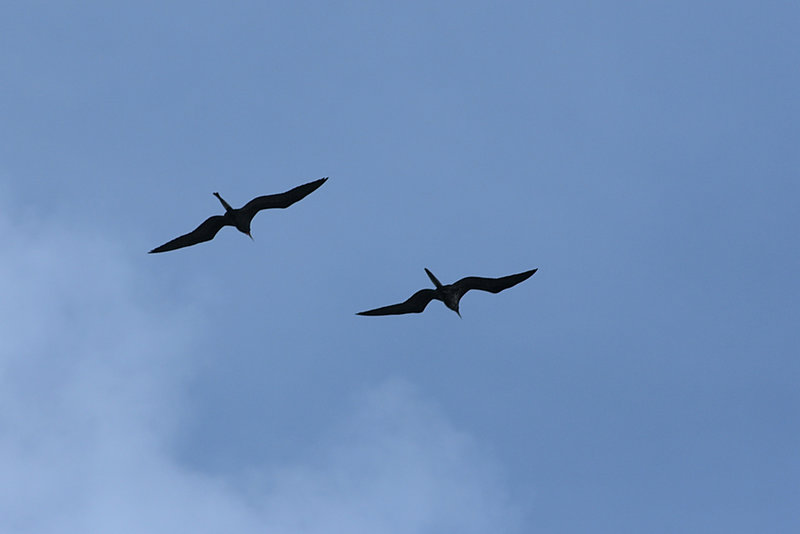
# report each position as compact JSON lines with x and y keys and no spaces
{"x":436,"y":282}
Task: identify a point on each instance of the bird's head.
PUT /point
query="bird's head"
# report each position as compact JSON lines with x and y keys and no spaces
{"x":244,"y":227}
{"x":453,"y":306}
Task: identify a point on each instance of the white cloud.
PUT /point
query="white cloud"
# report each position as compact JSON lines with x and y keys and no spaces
{"x":396,"y":466}
{"x":91,"y":367}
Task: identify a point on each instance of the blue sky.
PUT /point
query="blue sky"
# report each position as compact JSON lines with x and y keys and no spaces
{"x":642,"y":155}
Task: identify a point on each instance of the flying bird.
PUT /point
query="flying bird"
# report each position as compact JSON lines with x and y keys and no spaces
{"x":241,"y":217}
{"x":450,"y":294}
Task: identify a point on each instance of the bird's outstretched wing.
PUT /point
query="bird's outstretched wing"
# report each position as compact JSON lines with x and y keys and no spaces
{"x":205,"y":232}
{"x":415,"y":304}
{"x":281,"y":200}
{"x":492,"y":285}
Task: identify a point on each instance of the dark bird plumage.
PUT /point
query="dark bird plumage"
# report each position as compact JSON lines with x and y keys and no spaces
{"x":239,"y":218}
{"x":450,"y":294}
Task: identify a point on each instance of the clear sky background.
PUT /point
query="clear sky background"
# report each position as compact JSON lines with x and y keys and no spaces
{"x":643,"y":155}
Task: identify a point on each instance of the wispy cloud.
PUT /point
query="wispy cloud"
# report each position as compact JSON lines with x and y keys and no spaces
{"x":91,"y":368}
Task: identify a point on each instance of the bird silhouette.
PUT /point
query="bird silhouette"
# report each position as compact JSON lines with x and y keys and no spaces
{"x":450,"y":294}
{"x":239,"y":218}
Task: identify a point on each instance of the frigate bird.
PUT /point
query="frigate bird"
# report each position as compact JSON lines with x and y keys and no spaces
{"x":450,"y":294}
{"x":241,"y":217}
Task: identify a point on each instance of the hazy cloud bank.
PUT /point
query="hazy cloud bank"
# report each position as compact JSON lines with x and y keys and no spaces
{"x":91,"y":370}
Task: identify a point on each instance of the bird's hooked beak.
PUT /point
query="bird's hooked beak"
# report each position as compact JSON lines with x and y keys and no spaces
{"x":459,"y":314}
{"x":250,"y":236}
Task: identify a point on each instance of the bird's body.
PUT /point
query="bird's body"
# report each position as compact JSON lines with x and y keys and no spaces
{"x":239,"y":218}
{"x":449,"y":294}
